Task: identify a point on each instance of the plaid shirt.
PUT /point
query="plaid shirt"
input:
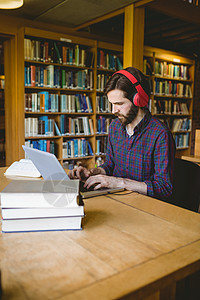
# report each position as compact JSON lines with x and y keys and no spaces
{"x":147,"y":156}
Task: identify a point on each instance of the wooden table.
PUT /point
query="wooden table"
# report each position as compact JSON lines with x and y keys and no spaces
{"x":131,"y":247}
{"x":192,"y":158}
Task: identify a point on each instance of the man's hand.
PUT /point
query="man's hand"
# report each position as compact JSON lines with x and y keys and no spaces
{"x":79,"y":173}
{"x":101,"y":181}
{"x":83,"y":173}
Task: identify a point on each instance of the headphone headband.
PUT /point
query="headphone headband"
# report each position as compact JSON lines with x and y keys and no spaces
{"x":141,"y":98}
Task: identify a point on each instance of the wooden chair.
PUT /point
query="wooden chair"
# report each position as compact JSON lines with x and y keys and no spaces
{"x":186,"y":185}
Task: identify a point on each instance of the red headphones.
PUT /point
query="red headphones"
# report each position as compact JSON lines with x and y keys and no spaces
{"x":140,"y":99}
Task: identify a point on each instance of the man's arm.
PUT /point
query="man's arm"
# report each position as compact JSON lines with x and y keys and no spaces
{"x":160,"y":186}
{"x":101,"y":181}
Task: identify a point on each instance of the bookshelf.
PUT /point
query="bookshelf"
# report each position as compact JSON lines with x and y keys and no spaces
{"x":65,"y":111}
{"x":2,"y":106}
{"x":109,"y":60}
{"x":59,"y":95}
{"x":171,"y":76}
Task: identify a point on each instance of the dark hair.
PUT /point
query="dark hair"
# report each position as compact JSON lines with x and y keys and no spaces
{"x":119,"y":81}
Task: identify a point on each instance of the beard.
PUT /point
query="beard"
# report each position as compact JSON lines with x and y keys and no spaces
{"x":129,"y":117}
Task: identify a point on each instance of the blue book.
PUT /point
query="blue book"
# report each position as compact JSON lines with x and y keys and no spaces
{"x":75,"y":147}
{"x":86,"y":108}
{"x":90,"y":152}
{"x":57,"y":129}
{"x":41,"y":76}
{"x":62,"y":124}
{"x":83,"y":108}
{"x":35,"y":144}
{"x":25,"y":76}
{"x":69,"y":144}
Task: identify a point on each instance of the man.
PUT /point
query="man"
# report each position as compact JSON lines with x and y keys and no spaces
{"x":140,"y":153}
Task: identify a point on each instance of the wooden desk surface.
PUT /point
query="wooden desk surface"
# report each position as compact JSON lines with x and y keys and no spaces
{"x":130,"y":245}
{"x":192,"y":158}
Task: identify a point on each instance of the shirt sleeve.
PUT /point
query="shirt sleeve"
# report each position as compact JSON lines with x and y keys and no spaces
{"x":161,"y":184}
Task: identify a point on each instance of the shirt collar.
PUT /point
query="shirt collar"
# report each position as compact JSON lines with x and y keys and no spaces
{"x":142,"y":124}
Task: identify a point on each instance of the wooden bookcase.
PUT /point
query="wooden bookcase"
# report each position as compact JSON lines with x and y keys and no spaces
{"x":2,"y":105}
{"x":40,"y":70}
{"x":109,"y":60}
{"x":171,"y":76}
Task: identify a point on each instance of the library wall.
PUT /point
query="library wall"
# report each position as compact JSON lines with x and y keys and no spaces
{"x":196,"y":106}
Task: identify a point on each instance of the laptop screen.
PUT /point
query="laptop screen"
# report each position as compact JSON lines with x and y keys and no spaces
{"x":47,"y":164}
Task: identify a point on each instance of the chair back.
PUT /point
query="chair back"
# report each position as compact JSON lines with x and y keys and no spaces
{"x":186,"y":185}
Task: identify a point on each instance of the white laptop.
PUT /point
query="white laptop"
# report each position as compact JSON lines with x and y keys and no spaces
{"x":50,"y":169}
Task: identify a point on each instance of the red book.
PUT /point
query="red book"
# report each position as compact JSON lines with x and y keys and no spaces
{"x":32,"y":75}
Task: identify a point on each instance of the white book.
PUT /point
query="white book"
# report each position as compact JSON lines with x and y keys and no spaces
{"x":43,"y":224}
{"x":24,"y":167}
{"x":40,"y":193}
{"x":31,"y":213}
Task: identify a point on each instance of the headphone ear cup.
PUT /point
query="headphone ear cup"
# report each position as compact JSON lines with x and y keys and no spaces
{"x":136,"y":99}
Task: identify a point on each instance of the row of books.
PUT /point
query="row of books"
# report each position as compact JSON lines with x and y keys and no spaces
{"x":76,"y":148}
{"x":169,"y":88}
{"x":182,"y":124}
{"x":108,"y":61}
{"x":52,"y":77}
{"x":80,"y":79}
{"x":45,"y":126}
{"x":48,"y":102}
{"x":76,"y":126}
{"x":169,"y":107}
{"x":41,"y":126}
{"x":41,"y":102}
{"x":103,"y":105}
{"x":75,"y":103}
{"x":101,"y":81}
{"x":57,"y":52}
{"x":26,"y":207}
{"x":182,"y":140}
{"x":43,"y":145}
{"x":166,"y":69}
{"x":102,"y":125}
{"x":101,"y":145}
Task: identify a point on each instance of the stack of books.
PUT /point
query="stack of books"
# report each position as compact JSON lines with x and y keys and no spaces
{"x":41,"y":205}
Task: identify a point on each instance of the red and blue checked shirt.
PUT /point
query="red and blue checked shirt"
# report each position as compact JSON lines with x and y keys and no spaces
{"x":147,"y":156}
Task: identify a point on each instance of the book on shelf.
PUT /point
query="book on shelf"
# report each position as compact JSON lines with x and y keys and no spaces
{"x":147,"y":67}
{"x":42,"y":126}
{"x":43,"y":145}
{"x":182,"y":140}
{"x":57,"y":129}
{"x":101,"y":145}
{"x":58,"y":52}
{"x":181,"y":124}
{"x":103,"y":105}
{"x":166,"y":69}
{"x":76,"y":148}
{"x":108,"y":61}
{"x":170,"y":88}
{"x":40,"y":205}
{"x":180,"y":108}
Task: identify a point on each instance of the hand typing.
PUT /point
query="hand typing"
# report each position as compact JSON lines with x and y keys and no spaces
{"x":101,"y":181}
